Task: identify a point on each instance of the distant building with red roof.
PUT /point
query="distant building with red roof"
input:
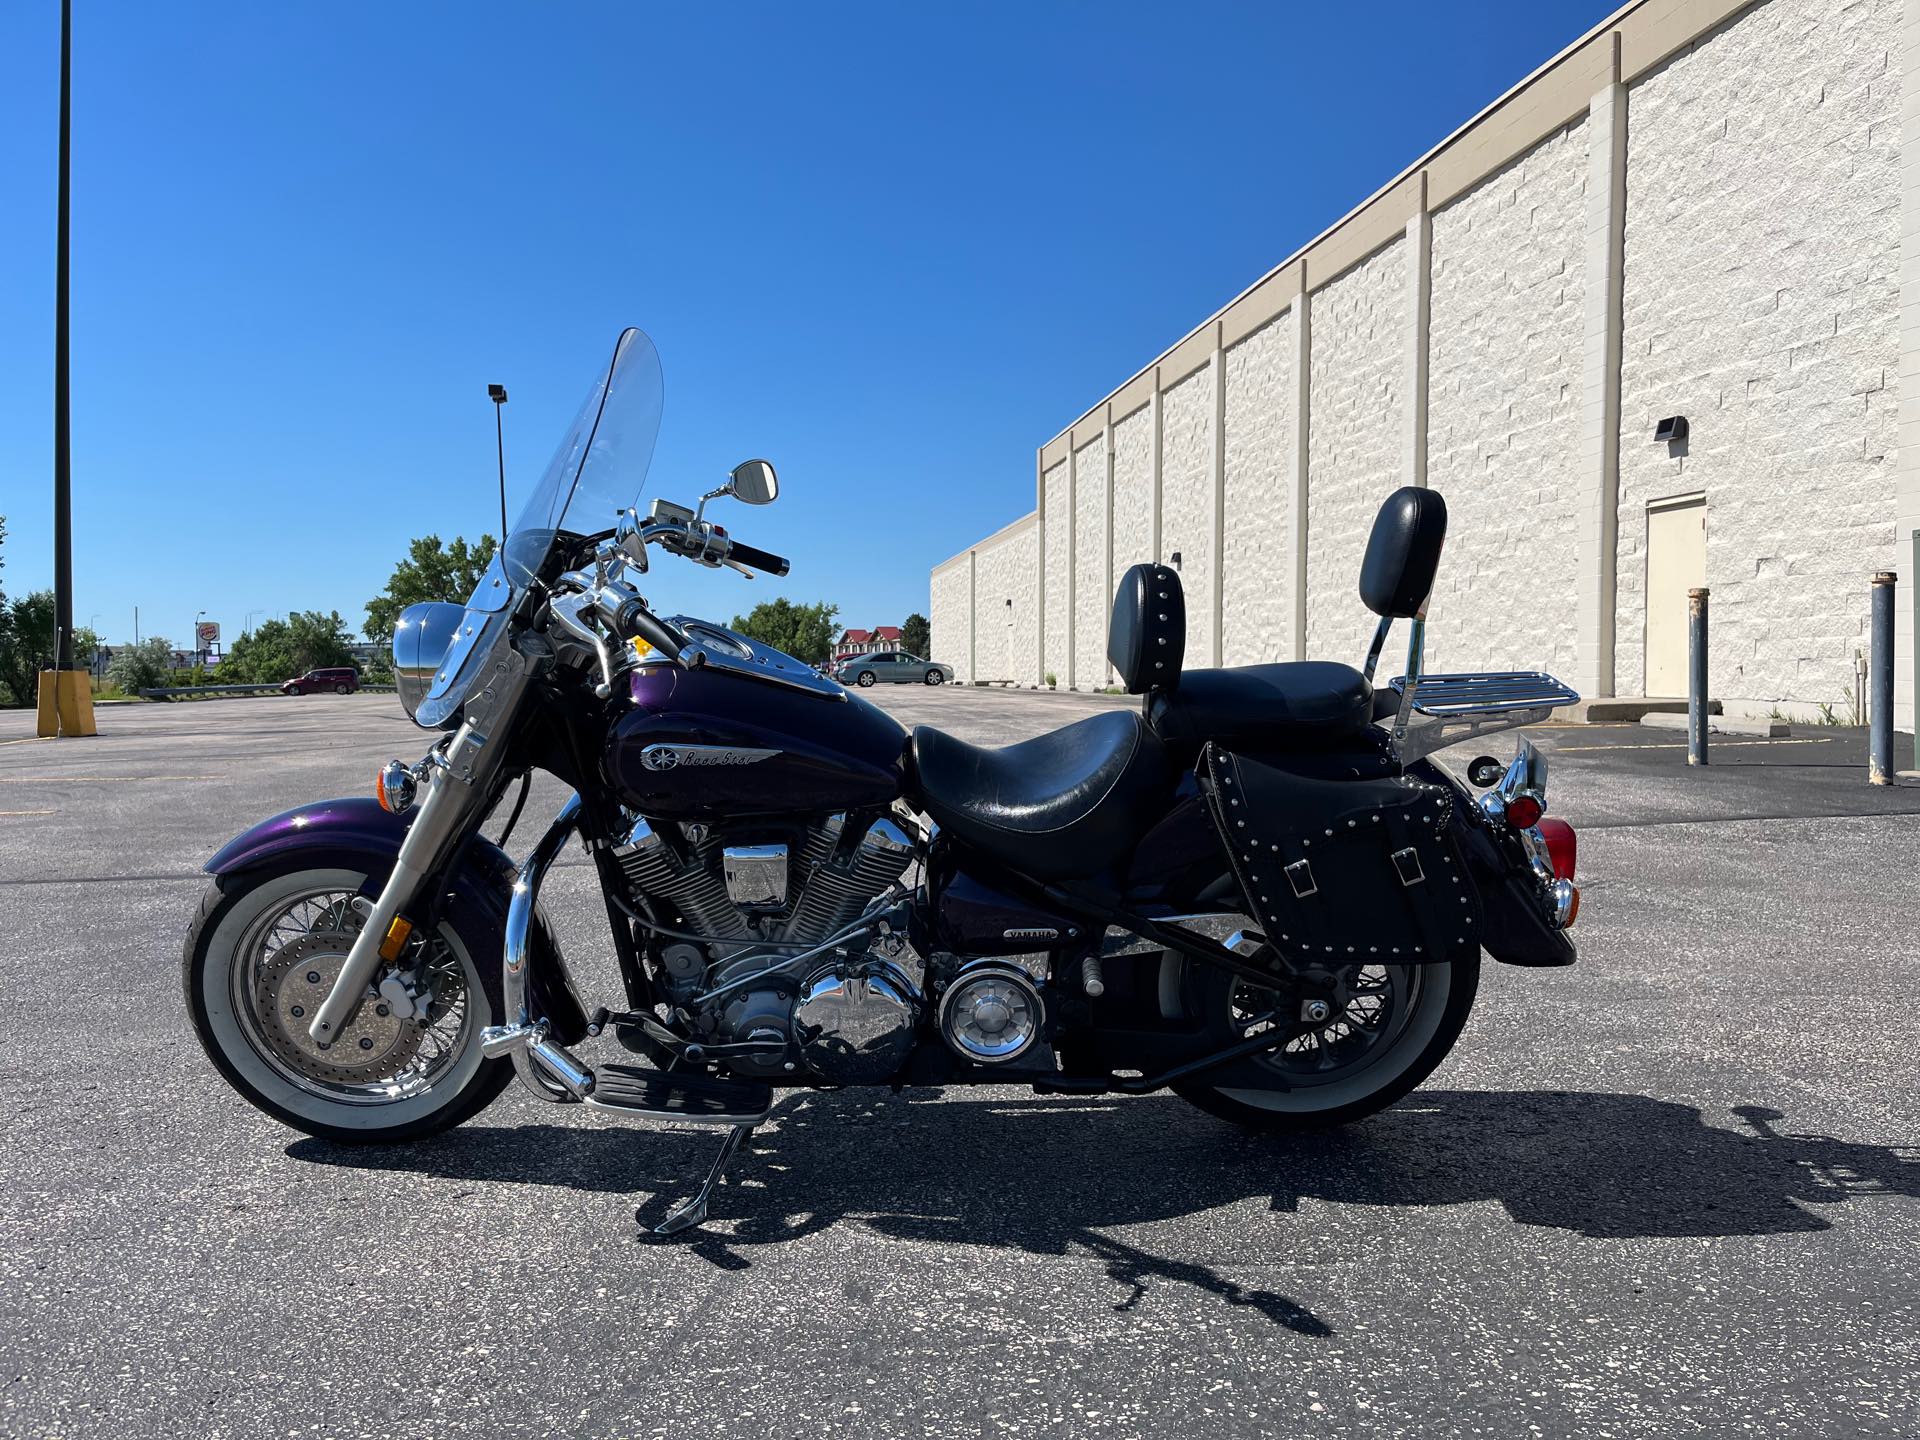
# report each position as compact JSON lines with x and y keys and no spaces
{"x":865,"y":642}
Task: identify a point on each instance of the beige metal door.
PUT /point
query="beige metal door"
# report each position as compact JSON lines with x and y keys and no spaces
{"x":1676,"y":563}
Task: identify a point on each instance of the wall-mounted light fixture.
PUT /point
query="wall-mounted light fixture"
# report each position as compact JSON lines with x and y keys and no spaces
{"x":1176,"y":560}
{"x":1672,"y":430}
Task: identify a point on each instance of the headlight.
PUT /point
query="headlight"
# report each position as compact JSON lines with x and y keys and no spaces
{"x":420,"y":639}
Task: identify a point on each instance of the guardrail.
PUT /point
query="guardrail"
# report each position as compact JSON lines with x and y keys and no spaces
{"x":175,"y":692}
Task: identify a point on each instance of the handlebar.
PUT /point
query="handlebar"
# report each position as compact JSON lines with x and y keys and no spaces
{"x":756,"y":559}
{"x":634,"y":619}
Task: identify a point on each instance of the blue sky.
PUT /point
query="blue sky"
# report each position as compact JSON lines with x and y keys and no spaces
{"x":892,"y":247}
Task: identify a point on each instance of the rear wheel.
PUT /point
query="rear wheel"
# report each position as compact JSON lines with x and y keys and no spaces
{"x":265,"y":950}
{"x":863,"y":679}
{"x":342,"y":688}
{"x":1357,"y":1038}
{"x":934,"y":677}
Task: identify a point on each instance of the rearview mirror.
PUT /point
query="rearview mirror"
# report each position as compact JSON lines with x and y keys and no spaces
{"x":753,"y":482}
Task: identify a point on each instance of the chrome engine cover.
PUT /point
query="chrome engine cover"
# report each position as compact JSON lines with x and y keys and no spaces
{"x":991,"y":1013}
{"x":855,"y":1021}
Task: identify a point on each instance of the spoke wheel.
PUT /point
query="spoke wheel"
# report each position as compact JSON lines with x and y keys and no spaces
{"x":263,"y":954}
{"x":288,"y":962}
{"x":1352,"y":1039}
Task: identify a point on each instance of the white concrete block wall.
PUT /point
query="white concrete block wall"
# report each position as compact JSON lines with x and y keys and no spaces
{"x":1132,"y":493}
{"x":1257,"y":598}
{"x":1186,"y":501}
{"x":1759,"y":296}
{"x":1761,"y":302}
{"x":1354,"y":442}
{"x":1090,"y":568}
{"x":1004,"y":571}
{"x":1503,"y":411}
{"x":948,"y":617}
{"x":1057,"y":589}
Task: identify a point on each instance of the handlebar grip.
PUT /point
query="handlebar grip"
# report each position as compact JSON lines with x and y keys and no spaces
{"x":756,"y":559}
{"x":633,"y":619}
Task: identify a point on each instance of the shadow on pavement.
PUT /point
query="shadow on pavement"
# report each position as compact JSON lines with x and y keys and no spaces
{"x":1051,"y":1177}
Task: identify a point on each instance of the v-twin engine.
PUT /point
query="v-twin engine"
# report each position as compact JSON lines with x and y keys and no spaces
{"x":848,"y":1016}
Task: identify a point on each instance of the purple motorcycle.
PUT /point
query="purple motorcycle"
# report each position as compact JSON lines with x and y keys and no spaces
{"x":1255,"y":889}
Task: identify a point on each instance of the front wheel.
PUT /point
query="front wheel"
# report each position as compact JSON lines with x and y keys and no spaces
{"x":863,"y":679}
{"x":934,"y":677}
{"x":263,"y":953}
{"x":1358,"y":1038}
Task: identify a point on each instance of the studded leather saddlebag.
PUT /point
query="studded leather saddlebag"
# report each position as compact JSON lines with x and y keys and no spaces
{"x":1345,"y":872}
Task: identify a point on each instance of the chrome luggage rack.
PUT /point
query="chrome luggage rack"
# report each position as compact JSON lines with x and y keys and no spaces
{"x":1440,"y":710}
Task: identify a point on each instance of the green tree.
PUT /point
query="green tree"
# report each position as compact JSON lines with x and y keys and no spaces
{"x":805,"y":632}
{"x":146,"y":666}
{"x":26,"y":645}
{"x":277,"y":650}
{"x":916,"y":636}
{"x":431,"y":571}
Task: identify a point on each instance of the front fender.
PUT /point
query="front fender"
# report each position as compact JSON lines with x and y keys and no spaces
{"x":358,"y":832}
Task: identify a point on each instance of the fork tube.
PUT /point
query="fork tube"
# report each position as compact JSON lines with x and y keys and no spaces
{"x":449,"y":802}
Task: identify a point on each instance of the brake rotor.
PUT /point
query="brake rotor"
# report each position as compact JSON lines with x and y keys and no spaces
{"x":374,"y":1045}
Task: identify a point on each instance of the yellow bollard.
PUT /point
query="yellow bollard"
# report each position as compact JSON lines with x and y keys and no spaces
{"x":65,"y":704}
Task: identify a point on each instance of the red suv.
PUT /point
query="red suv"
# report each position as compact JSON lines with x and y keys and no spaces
{"x":342,"y":680}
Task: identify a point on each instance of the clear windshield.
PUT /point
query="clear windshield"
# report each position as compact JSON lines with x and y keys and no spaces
{"x":601,"y":465}
{"x":599,"y":470}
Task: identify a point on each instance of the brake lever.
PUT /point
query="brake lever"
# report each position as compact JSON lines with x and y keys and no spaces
{"x":566,"y":609}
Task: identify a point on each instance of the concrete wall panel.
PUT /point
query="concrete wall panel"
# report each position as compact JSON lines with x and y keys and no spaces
{"x":1761,"y":302}
{"x":1132,"y":493}
{"x":1359,"y":331}
{"x":1503,"y":412}
{"x":1004,"y":598}
{"x":948,"y":618}
{"x":1257,"y":594}
{"x":1059,"y":524}
{"x":1187,"y":502}
{"x":1090,"y":568}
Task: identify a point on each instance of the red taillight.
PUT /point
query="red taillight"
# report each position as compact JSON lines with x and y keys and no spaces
{"x":1562,"y":844}
{"x":1523,"y":812}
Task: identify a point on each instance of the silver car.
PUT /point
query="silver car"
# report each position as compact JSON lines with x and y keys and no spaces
{"x":894,"y":665}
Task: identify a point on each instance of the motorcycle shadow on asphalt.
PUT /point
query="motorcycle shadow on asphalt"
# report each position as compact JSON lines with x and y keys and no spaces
{"x":1053,"y":1175}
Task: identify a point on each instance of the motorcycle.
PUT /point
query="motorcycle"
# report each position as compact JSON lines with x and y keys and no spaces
{"x":1256,"y":890}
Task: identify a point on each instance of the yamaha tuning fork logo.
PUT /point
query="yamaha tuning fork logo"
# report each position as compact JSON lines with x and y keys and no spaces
{"x":673,"y":757}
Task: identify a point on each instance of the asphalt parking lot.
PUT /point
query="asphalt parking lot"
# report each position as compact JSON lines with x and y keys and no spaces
{"x":1672,"y":1191}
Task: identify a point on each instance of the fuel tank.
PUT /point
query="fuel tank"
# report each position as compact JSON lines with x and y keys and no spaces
{"x":711,"y":742}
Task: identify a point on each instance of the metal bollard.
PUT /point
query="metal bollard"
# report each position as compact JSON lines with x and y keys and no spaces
{"x":1697,"y":676}
{"x":1880,"y":683}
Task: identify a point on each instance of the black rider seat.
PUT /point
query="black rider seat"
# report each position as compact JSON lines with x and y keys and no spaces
{"x":1057,"y":807}
{"x":1297,"y":700}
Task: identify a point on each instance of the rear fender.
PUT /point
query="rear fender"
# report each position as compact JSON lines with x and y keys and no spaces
{"x":356,"y":833}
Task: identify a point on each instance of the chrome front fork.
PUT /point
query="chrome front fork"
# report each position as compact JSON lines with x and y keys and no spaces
{"x":457,"y":783}
{"x":448,"y":805}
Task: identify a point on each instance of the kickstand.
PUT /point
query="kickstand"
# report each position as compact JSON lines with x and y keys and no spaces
{"x":689,"y":1213}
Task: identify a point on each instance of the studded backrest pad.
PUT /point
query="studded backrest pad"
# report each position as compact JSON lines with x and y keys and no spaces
{"x":1147,"y":641}
{"x":1345,"y":872}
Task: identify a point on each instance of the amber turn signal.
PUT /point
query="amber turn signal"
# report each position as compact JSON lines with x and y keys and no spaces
{"x":393,"y":787}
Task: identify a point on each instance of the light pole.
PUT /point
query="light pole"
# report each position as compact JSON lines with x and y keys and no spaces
{"x":498,"y":394}
{"x":247,"y":629}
